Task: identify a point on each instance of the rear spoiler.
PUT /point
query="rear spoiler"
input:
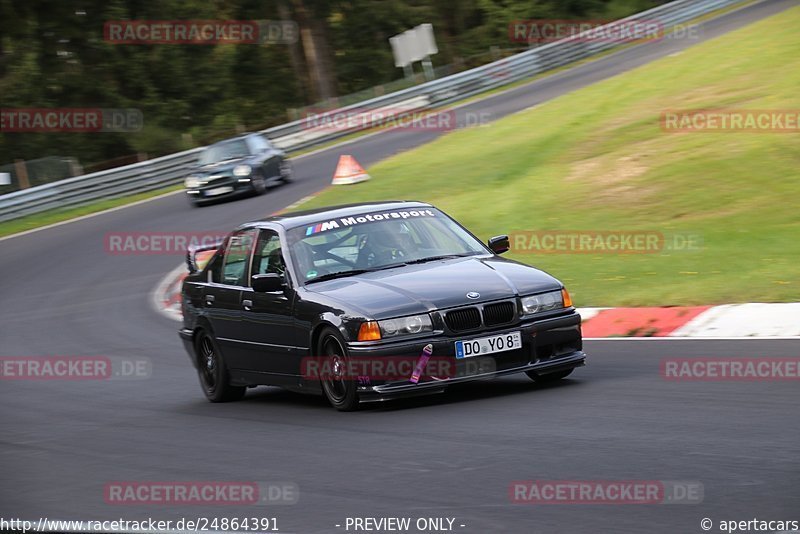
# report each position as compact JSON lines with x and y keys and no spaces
{"x":198,"y":256}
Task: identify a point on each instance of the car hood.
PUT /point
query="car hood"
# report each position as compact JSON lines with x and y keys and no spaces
{"x":436,"y":285}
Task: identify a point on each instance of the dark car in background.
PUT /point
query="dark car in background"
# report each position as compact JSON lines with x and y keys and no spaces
{"x":370,"y":283}
{"x":246,"y":164}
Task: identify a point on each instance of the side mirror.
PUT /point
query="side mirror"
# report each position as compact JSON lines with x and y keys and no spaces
{"x":190,"y":264}
{"x":266,"y":283}
{"x":499,"y":244}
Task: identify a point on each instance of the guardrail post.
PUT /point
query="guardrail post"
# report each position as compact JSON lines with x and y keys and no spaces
{"x":75,"y":168}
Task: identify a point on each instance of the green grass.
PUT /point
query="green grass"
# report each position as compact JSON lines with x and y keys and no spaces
{"x":597,"y":159}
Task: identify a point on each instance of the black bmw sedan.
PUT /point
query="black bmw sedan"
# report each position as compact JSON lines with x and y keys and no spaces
{"x":246,"y":164}
{"x":369,"y":302}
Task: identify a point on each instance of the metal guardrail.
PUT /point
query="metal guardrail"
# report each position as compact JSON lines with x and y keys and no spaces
{"x":294,"y":136}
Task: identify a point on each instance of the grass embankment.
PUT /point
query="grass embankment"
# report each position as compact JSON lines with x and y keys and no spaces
{"x":598,"y":159}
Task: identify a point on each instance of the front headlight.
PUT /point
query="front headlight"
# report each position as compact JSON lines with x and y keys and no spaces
{"x":552,"y":300}
{"x":413,"y":324}
{"x":242,"y":170}
{"x":192,"y":182}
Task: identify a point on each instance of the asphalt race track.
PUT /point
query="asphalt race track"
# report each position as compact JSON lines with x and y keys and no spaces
{"x":452,"y":455}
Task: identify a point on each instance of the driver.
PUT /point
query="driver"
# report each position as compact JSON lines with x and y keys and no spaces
{"x":385,"y":243}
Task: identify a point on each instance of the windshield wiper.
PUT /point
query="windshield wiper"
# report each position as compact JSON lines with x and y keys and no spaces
{"x":435,"y":258}
{"x":224,"y":160}
{"x":342,"y":274}
{"x":339,"y":274}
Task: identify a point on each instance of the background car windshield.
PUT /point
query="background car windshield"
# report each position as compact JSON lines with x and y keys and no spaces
{"x":258,"y":144}
{"x":224,"y":151}
{"x":378,"y":244}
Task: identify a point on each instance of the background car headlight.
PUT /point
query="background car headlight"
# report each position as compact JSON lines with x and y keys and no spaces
{"x":242,"y":170}
{"x":192,"y":182}
{"x":413,"y":324}
{"x":552,"y":300}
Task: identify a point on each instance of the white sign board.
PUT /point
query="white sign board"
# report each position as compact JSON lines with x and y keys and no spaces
{"x":413,"y":45}
{"x":401,"y":58}
{"x":5,"y":178}
{"x":426,"y":39}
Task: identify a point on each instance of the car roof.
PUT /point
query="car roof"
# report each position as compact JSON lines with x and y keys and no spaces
{"x":307,"y":217}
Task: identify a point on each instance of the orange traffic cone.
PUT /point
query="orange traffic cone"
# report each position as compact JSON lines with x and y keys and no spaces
{"x":348,"y":171}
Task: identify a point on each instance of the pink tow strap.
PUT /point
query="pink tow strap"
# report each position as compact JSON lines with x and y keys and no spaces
{"x":421,"y":363}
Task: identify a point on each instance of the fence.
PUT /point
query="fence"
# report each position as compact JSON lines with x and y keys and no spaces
{"x":39,"y":171}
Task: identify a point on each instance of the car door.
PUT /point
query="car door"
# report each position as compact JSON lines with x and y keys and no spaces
{"x":267,"y":320}
{"x":222,"y":297}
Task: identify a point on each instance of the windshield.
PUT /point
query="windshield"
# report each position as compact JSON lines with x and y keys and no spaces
{"x":224,"y":151}
{"x":377,"y":240}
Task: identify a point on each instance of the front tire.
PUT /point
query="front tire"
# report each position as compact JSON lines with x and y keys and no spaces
{"x":259,"y":184}
{"x":213,"y":373}
{"x":286,"y":172}
{"x":548,"y":378}
{"x":339,"y":390}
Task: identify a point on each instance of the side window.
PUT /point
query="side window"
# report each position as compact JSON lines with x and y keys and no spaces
{"x":268,"y":257}
{"x":257,"y":144}
{"x":236,"y":257}
{"x":215,"y":268}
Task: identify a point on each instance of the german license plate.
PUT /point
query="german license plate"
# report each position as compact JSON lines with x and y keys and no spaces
{"x":218,"y":191}
{"x":488,"y":345}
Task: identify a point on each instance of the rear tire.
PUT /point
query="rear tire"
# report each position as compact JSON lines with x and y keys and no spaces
{"x":340,"y":392}
{"x":213,"y":373}
{"x":548,"y":378}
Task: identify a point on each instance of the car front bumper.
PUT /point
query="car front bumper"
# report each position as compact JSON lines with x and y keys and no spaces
{"x":221,"y":188}
{"x":548,"y":346}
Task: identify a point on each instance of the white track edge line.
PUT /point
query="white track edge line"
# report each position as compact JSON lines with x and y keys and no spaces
{"x":695,"y":338}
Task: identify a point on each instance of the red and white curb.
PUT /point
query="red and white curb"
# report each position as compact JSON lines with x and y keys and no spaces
{"x":752,"y":320}
{"x":729,"y":321}
{"x":745,"y":320}
{"x":166,"y":297}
